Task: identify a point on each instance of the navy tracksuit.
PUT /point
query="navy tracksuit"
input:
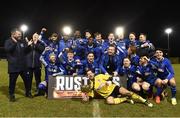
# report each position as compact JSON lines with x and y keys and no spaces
{"x":16,"y":64}
{"x":33,"y":53}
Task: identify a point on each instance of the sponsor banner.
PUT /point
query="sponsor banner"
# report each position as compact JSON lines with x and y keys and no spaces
{"x":62,"y":86}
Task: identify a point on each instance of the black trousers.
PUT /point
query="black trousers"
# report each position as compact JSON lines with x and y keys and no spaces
{"x":37,"y":74}
{"x":12,"y":82}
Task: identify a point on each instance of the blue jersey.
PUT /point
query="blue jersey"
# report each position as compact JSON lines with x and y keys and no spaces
{"x":54,"y":45}
{"x":99,"y":44}
{"x":109,"y":64}
{"x":64,"y":44}
{"x":71,"y":67}
{"x":106,"y":44}
{"x":43,"y":39}
{"x":131,"y":74}
{"x":133,"y":43}
{"x":147,"y":73}
{"x":94,"y":66}
{"x":95,"y":50}
{"x":134,"y":59}
{"x":120,"y":50}
{"x":79,"y":48}
{"x":122,"y":44}
{"x":44,"y":58}
{"x":165,"y":69}
{"x":53,"y":69}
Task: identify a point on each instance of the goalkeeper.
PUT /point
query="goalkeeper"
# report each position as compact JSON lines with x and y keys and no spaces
{"x":103,"y":86}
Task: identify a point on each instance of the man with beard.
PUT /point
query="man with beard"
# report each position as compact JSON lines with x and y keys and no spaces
{"x":15,"y":48}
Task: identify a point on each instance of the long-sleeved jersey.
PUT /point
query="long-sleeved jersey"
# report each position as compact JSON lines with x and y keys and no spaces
{"x":121,"y":43}
{"x":44,"y":58}
{"x":95,"y":50}
{"x":99,"y":85}
{"x":131,"y":73}
{"x":94,"y":66}
{"x":147,"y":73}
{"x":164,"y":69}
{"x":53,"y":69}
{"x":108,"y":66}
{"x":132,"y":42}
{"x":71,"y":67}
{"x":134,"y":59}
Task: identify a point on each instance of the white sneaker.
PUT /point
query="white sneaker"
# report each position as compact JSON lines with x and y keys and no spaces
{"x":148,"y":104}
{"x":173,"y":101}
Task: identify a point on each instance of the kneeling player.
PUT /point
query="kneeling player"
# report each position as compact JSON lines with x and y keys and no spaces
{"x":51,"y":69}
{"x":147,"y":76}
{"x":165,"y":74}
{"x":103,"y":86}
{"x":130,"y":71}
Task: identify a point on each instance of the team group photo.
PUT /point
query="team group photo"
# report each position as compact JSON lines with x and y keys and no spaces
{"x":85,"y":69}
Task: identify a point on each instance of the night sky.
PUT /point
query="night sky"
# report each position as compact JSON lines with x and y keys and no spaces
{"x":146,"y":16}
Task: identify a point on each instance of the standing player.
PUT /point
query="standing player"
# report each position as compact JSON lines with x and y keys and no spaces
{"x":132,"y":40}
{"x":133,"y":56}
{"x":145,"y":47}
{"x":110,"y":62}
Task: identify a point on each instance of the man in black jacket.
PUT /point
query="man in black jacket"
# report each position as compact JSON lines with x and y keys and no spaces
{"x":145,"y":47}
{"x":15,"y":48}
{"x":33,"y":53}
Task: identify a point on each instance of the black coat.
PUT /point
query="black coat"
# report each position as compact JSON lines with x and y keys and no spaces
{"x":33,"y":53}
{"x":15,"y":55}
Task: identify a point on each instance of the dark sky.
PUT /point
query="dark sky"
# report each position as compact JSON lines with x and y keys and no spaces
{"x":147,"y":16}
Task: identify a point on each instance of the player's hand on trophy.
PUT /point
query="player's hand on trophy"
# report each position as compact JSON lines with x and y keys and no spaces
{"x":85,"y":97}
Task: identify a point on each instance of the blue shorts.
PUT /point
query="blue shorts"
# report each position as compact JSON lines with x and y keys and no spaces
{"x":151,"y":81}
{"x":170,"y":76}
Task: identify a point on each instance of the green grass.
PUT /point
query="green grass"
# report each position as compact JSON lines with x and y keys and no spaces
{"x":41,"y":107}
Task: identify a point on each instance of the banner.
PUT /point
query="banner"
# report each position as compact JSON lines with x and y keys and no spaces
{"x":70,"y":86}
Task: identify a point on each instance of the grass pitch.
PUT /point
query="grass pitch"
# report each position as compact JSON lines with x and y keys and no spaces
{"x":41,"y":107}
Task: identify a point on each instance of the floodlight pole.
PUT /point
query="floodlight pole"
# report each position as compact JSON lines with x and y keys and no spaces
{"x":168,"y":45}
{"x":23,"y":33}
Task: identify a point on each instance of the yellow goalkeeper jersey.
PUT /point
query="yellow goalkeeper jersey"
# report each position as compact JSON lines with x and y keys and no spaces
{"x":101,"y":87}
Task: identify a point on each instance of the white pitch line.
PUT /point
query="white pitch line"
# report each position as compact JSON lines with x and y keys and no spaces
{"x":96,"y":110}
